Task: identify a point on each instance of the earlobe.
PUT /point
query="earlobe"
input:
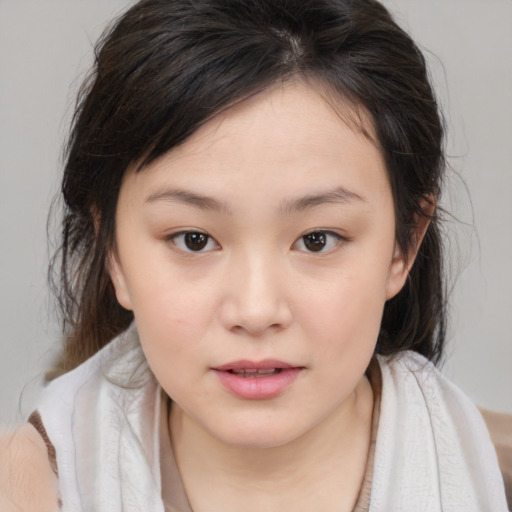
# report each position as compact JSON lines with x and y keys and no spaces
{"x":117,"y":277}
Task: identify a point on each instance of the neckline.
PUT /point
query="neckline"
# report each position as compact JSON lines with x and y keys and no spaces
{"x":173,"y":491}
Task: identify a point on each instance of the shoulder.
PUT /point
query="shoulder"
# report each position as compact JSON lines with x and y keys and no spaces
{"x":27,"y":481}
{"x":412,"y":381}
{"x":425,"y":415}
{"x":407,"y":368}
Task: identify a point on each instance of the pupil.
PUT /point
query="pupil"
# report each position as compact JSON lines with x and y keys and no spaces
{"x":315,"y":241}
{"x":196,"y":241}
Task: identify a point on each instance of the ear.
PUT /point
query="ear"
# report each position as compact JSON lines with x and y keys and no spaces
{"x":401,"y":264}
{"x":118,"y":279}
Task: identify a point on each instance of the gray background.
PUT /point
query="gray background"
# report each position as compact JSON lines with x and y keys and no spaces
{"x":45,"y":49}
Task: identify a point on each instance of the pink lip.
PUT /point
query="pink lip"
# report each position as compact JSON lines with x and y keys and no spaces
{"x":256,"y":365}
{"x":257,"y":388}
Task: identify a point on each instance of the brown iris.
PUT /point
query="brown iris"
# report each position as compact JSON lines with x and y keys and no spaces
{"x":195,"y":241}
{"x":316,"y":241}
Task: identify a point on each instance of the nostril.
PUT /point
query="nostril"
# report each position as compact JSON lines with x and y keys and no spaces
{"x":257,"y":333}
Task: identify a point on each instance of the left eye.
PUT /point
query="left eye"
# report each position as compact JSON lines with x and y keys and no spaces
{"x":318,"y":241}
{"x":194,"y":241}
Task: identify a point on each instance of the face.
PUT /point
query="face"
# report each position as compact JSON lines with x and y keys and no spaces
{"x":257,"y":258}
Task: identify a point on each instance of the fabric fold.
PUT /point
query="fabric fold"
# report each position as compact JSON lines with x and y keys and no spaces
{"x":433,"y":452}
{"x":433,"y":449}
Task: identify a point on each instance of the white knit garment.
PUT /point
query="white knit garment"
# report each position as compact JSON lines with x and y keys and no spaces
{"x":433,"y":450}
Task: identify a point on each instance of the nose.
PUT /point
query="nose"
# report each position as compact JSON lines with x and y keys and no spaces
{"x":255,"y":300}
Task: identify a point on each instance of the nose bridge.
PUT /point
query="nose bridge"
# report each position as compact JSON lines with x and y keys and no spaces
{"x":260,"y":278}
{"x":257,"y":297}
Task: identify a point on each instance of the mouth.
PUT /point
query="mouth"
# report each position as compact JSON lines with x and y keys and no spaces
{"x":255,"y":369}
{"x":253,"y":373}
{"x":257,"y":380}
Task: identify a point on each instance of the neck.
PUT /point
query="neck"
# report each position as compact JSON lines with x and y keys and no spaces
{"x":333,"y":454}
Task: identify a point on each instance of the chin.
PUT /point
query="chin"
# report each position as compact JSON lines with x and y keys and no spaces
{"x":259,"y":436}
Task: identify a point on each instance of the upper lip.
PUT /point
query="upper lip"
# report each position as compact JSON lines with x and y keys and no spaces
{"x":245,"y":364}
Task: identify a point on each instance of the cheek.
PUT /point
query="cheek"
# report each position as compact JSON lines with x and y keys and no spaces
{"x":344,"y":316}
{"x":165,"y":296}
{"x":168,"y":340}
{"x":172,"y":318}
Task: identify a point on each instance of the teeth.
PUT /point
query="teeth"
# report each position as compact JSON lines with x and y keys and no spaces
{"x":255,"y":373}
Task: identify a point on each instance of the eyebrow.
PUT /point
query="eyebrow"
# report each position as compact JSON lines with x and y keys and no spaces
{"x":175,"y":195}
{"x":334,"y":196}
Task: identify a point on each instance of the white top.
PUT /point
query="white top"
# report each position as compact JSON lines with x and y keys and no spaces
{"x":433,"y":452}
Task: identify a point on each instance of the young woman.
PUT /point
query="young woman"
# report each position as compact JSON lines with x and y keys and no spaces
{"x":251,"y":275}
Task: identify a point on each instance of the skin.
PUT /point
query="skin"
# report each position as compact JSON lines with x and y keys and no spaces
{"x":257,"y":179}
{"x":27,"y":481}
{"x":306,"y":449}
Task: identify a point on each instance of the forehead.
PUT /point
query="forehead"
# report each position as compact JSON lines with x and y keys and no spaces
{"x":283,"y":140}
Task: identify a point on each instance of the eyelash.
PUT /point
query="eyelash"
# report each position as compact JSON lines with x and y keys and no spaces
{"x":338,"y":239}
{"x":182,"y":234}
{"x":323,"y":236}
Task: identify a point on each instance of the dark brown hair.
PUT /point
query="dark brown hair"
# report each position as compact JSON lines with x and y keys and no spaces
{"x":166,"y":67}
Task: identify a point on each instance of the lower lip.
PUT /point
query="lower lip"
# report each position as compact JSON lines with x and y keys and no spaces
{"x":258,"y":388}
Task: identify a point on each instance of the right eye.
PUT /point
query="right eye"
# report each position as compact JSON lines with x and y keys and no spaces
{"x":194,"y":241}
